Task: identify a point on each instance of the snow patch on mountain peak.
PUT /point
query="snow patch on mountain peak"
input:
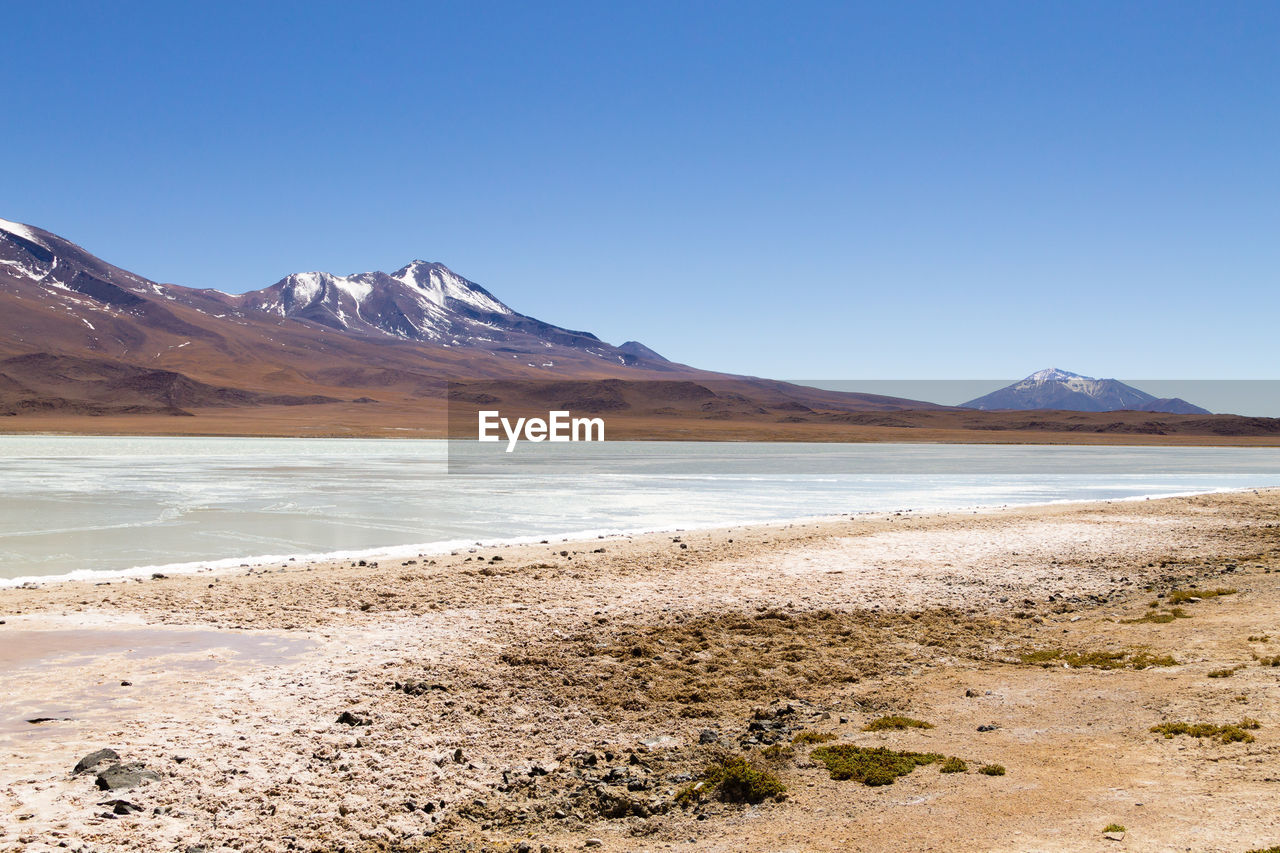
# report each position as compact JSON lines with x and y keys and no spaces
{"x":438,"y":283}
{"x":21,"y":230}
{"x":355,"y":286}
{"x":1053,"y":374}
{"x":304,"y":287}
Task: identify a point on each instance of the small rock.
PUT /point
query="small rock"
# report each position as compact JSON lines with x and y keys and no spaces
{"x":354,"y":718}
{"x":707,"y":736}
{"x":93,"y":759}
{"x":1113,"y":836}
{"x":122,"y":807}
{"x":987,"y":728}
{"x":593,"y":842}
{"x":126,"y":684}
{"x":123,"y":776}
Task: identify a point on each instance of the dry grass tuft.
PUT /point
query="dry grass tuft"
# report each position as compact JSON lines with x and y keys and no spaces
{"x":895,"y":722}
{"x":1231,"y":733}
{"x":1184,"y":596}
{"x":1099,"y":659}
{"x":812,"y":738}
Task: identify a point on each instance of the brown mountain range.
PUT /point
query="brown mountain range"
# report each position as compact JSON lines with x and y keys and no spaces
{"x":88,"y":347}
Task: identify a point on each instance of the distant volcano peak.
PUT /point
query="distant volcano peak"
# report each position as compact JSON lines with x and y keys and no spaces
{"x":1053,"y":388}
{"x":1053,"y":374}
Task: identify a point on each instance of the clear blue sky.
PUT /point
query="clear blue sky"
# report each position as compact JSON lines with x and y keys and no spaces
{"x":818,"y":190}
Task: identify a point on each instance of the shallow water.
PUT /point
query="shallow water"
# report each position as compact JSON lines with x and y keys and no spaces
{"x":81,"y":505}
{"x":71,"y":676}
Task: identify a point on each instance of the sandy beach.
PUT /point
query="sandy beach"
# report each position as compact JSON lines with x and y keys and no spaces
{"x":571,"y":695}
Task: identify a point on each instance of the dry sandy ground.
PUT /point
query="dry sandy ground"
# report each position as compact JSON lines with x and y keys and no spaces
{"x":565,"y":695}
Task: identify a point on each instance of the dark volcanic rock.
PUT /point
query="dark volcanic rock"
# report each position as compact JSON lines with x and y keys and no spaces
{"x":123,"y":776}
{"x":93,"y":759}
{"x":121,"y":807}
{"x":354,"y":718}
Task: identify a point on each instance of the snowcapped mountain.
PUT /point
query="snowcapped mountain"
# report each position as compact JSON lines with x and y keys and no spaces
{"x":420,"y":302}
{"x":1060,"y":389}
{"x":426,"y":302}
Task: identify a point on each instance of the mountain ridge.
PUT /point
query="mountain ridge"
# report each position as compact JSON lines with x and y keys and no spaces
{"x":313,"y":339}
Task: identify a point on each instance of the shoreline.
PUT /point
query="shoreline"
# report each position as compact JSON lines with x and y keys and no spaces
{"x":219,"y":566}
{"x":354,"y":423}
{"x":506,"y":687}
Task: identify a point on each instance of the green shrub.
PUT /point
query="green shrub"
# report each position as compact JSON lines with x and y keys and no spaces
{"x":992,"y":769}
{"x":870,"y":765}
{"x":953,"y":765}
{"x":733,"y":780}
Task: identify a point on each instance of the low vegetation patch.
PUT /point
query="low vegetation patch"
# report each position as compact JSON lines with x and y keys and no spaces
{"x":992,"y":769}
{"x":870,"y":765}
{"x":812,"y":738}
{"x":733,"y":780}
{"x":1113,"y":827}
{"x":1131,"y":659}
{"x":1226,"y":672}
{"x":697,"y":667}
{"x":1260,"y":638}
{"x":1271,"y":661}
{"x":1162,"y":617}
{"x":778,"y":753}
{"x":1183,"y":596}
{"x":1231,"y":733}
{"x":954,"y":765}
{"x":895,"y":722}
